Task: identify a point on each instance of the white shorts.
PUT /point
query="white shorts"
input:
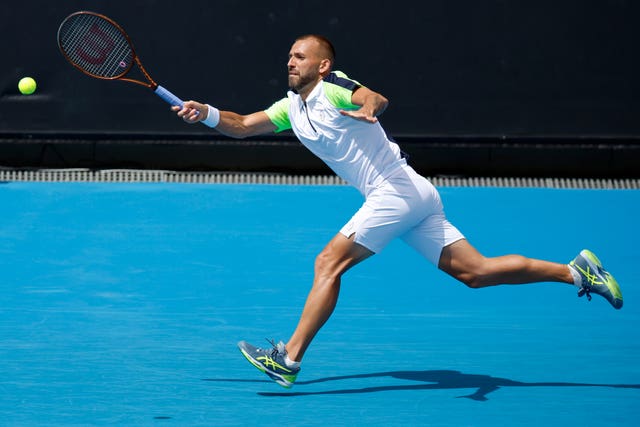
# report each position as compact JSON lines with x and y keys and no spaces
{"x":408,"y":206}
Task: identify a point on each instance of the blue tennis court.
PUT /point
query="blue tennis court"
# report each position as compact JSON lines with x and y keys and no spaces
{"x":122,"y":305}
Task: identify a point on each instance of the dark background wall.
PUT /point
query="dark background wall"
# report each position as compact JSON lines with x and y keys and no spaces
{"x":456,"y":71}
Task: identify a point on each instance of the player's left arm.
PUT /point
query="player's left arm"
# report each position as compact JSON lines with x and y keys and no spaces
{"x":371,"y":103}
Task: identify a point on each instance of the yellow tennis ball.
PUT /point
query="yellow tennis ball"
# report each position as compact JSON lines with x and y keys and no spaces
{"x":27,"y":85}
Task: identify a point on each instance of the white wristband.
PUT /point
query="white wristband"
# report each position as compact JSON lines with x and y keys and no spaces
{"x":213,"y":117}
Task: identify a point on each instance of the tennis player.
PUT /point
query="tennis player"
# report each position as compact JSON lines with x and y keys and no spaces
{"x":337,"y":119}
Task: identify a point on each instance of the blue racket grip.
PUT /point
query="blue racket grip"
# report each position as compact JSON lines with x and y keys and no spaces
{"x":168,"y":96}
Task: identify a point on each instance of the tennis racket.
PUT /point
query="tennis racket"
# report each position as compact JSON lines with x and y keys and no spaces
{"x":100,"y":48}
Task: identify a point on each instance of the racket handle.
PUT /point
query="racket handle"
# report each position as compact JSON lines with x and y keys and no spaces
{"x":168,"y":96}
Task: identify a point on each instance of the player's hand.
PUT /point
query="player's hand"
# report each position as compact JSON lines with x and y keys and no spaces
{"x":360,"y":115}
{"x":192,"y":111}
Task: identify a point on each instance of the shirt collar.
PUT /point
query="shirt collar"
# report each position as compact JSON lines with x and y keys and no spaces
{"x":315,"y":92}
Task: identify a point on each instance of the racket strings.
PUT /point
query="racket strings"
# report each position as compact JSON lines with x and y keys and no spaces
{"x":96,"y":46}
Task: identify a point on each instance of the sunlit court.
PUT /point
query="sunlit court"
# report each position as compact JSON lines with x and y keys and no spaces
{"x":123,"y":302}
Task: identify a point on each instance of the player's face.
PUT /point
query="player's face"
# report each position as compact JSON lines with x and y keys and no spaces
{"x":304,"y":65}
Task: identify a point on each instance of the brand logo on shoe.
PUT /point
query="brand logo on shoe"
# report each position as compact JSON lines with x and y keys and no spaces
{"x":591,"y":278}
{"x":270,"y":363}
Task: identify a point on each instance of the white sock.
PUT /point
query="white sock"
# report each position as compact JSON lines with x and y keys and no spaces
{"x":290,"y":363}
{"x":577,"y":279}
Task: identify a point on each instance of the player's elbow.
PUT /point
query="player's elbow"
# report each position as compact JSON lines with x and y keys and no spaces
{"x":383,"y":103}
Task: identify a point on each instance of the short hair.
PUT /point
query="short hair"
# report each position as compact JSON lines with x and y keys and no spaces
{"x":326,"y":44}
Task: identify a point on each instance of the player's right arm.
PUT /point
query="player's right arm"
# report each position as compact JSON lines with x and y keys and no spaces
{"x":230,"y":124}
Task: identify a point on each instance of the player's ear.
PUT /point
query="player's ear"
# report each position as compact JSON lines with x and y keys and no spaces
{"x":325,"y":66}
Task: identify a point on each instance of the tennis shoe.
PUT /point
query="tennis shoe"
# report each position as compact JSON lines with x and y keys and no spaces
{"x":595,"y":279}
{"x":271,"y":361}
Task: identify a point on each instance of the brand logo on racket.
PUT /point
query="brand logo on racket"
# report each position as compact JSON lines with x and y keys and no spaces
{"x":97,"y":46}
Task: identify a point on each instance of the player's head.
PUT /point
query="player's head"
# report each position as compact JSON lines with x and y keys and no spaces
{"x":324,"y":45}
{"x":310,"y":59}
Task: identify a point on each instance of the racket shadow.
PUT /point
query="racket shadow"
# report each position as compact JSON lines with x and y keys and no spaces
{"x":428,"y":380}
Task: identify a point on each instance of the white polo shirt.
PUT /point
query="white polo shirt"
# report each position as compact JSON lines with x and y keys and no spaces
{"x":358,"y":152}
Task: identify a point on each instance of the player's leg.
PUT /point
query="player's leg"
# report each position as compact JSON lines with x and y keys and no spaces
{"x":282,"y":363}
{"x":465,"y":263}
{"x":336,"y":258}
{"x":442,"y":244}
{"x":462,"y":261}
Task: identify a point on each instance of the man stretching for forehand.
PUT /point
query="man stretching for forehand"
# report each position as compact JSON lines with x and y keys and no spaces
{"x":336,"y":118}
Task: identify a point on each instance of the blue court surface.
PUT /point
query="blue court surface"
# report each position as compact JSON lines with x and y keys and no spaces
{"x":122,"y":304}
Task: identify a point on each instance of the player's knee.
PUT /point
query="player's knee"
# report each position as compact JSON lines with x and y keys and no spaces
{"x":472,"y":280}
{"x":324,"y":266}
{"x":474,"y":275}
{"x":475,"y":279}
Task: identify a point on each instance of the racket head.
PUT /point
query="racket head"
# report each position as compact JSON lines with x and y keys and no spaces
{"x":96,"y":45}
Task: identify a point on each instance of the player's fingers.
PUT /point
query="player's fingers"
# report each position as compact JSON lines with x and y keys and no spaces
{"x":193,"y":105}
{"x":194,"y":109}
{"x":358,"y":115}
{"x":180,"y":111}
{"x":190,"y":114}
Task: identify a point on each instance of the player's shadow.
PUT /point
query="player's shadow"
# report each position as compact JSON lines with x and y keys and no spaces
{"x":431,"y":380}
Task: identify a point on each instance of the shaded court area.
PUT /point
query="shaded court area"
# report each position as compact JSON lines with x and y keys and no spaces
{"x":121,"y":304}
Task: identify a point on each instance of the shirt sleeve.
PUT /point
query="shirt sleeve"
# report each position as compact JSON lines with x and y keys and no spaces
{"x":278,"y":113}
{"x":339,"y":89}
